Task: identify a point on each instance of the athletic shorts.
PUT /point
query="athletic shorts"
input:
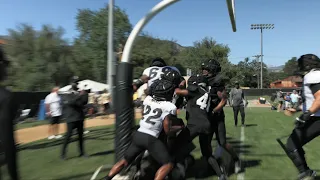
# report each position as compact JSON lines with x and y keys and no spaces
{"x":55,"y":120}
{"x":141,"y":142}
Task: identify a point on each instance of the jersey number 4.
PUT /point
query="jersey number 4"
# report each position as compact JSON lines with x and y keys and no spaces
{"x":203,"y":101}
{"x":156,"y":114}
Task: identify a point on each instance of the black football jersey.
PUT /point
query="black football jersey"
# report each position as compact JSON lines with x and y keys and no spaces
{"x":215,"y":84}
{"x":198,"y":104}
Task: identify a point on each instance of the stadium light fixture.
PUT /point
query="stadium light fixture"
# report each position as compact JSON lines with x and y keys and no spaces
{"x":261,"y":27}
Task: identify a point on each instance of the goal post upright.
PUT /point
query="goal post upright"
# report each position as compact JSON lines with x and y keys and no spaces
{"x":232,"y":14}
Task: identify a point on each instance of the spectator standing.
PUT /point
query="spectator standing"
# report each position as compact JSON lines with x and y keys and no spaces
{"x":238,"y":102}
{"x":295,"y":99}
{"x":287,"y":99}
{"x":8,"y":151}
{"x":280,"y":100}
{"x":105,"y":100}
{"x":54,"y":112}
{"x":73,"y":105}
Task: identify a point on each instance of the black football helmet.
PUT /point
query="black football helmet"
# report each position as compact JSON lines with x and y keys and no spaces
{"x":162,"y":90}
{"x":159,"y":62}
{"x":306,"y":63}
{"x":4,"y":63}
{"x":172,"y":76}
{"x":212,"y":66}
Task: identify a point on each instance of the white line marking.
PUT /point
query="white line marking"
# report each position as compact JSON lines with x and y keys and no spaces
{"x":94,"y":176}
{"x":240,"y":176}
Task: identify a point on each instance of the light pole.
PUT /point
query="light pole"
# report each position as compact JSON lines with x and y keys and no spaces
{"x":110,"y":64}
{"x":261,"y":27}
{"x":257,"y":69}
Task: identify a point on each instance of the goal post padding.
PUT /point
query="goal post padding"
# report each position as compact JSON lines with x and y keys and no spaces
{"x":124,"y":109}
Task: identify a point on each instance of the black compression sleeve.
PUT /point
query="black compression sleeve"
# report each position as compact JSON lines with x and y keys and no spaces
{"x":315,"y":88}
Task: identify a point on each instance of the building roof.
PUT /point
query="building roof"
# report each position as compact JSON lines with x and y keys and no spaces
{"x":293,"y":79}
{"x":296,"y":79}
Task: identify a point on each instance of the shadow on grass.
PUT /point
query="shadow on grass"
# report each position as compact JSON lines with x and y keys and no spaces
{"x":103,"y":153}
{"x":202,"y":170}
{"x":251,"y":125}
{"x":99,"y":134}
{"x":78,"y":176}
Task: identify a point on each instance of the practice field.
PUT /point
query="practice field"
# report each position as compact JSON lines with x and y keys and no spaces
{"x":262,"y":156}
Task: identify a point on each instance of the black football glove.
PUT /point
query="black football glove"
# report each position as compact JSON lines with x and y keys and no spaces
{"x":302,"y":119}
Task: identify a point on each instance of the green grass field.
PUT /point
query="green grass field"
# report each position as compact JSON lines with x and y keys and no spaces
{"x":262,"y":156}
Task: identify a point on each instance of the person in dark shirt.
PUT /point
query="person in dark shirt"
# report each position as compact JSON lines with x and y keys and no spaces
{"x":7,"y":115}
{"x":73,"y":111}
{"x":237,"y":103}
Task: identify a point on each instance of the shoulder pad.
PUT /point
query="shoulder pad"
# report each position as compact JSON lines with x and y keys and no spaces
{"x":192,"y":87}
{"x":313,"y":77}
{"x":216,"y":81}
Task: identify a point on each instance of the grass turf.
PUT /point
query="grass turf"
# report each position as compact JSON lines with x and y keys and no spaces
{"x":262,"y":156}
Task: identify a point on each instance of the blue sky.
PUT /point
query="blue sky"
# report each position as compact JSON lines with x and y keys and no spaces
{"x":296,"y":22}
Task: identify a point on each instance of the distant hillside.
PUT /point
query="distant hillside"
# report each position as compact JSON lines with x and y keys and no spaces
{"x":275,"y":68}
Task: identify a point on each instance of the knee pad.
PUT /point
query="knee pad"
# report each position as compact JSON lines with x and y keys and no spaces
{"x":291,"y":146}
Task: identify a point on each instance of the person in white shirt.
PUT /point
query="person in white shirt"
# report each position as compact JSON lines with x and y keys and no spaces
{"x":295,"y":99}
{"x":54,"y":112}
{"x":158,"y":110}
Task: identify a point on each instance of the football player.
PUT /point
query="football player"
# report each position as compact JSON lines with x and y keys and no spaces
{"x":158,"y":110}
{"x":154,"y":72}
{"x":197,"y":94}
{"x":308,"y":124}
{"x":218,"y":98}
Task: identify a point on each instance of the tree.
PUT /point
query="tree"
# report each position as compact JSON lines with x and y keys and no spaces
{"x":290,"y":66}
{"x":206,"y":49}
{"x":148,"y":48}
{"x":39,"y":58}
{"x":90,"y":48}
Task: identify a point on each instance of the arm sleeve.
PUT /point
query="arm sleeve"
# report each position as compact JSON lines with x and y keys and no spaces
{"x":242,"y":94}
{"x":221,"y":86}
{"x":231,"y":94}
{"x":47,"y":100}
{"x":7,"y":114}
{"x":146,"y":72}
{"x":173,"y":110}
{"x":315,"y":88}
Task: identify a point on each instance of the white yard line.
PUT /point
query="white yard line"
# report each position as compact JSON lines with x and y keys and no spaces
{"x":240,"y":176}
{"x":94,"y":176}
